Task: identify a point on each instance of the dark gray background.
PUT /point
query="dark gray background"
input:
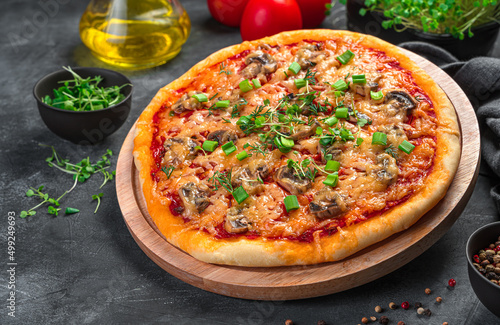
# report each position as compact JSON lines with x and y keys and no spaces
{"x":86,"y":268}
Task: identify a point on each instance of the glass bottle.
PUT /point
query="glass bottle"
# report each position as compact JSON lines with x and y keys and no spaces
{"x":135,"y":33}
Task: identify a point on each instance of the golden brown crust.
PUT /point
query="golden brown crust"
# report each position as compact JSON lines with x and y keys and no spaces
{"x":261,"y":252}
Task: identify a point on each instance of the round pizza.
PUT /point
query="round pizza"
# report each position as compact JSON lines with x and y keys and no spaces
{"x":300,"y":148}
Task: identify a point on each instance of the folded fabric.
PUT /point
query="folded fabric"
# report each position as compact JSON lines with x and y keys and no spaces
{"x":479,"y":78}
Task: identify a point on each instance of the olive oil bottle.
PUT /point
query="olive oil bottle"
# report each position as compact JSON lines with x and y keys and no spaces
{"x":135,"y":33}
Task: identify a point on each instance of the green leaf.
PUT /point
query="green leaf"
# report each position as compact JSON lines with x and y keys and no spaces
{"x":23,"y":214}
{"x":30,"y":193}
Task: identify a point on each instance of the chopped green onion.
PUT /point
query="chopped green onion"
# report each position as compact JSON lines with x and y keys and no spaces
{"x":345,"y":57}
{"x":256,"y":83}
{"x":291,"y":203}
{"x":200,"y":97}
{"x":340,"y":85}
{"x":406,"y":147}
{"x":222,"y":104}
{"x":171,"y":113}
{"x":299,"y":83}
{"x":245,"y":86}
{"x":287,"y":142}
{"x":359,"y":79}
{"x":342,"y":112}
{"x":338,"y":93}
{"x":240,"y":194}
{"x":280,"y":146}
{"x":243,"y":120}
{"x":242,"y":156}
{"x":359,"y":141}
{"x":332,"y":166}
{"x":376,"y":95}
{"x":331,"y":121}
{"x":379,"y":138}
{"x":210,"y":145}
{"x":228,"y":148}
{"x":331,"y":180}
{"x":294,"y":67}
{"x":71,"y":210}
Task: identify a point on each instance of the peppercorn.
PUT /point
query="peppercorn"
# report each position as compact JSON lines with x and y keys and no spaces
{"x":321,"y":322}
{"x":439,"y":299}
{"x":494,"y":281}
{"x":428,"y":291}
{"x":393,"y":306}
{"x":364,"y":320}
{"x":378,"y":309}
{"x":427,"y":312}
{"x":496,"y":259}
{"x":405,"y":305}
{"x":420,"y":311}
{"x":445,"y":323}
{"x":452,"y":282}
{"x":384,"y":320}
{"x":497,"y":270}
{"x":482,"y":256}
{"x":489,"y":268}
{"x":491,"y":276}
{"x":492,"y":246}
{"x":489,"y":252}
{"x":288,"y":322}
{"x":401,"y":323}
{"x":477,"y":266}
{"x":418,"y":305}
{"x":373,"y":318}
{"x":485,"y":262}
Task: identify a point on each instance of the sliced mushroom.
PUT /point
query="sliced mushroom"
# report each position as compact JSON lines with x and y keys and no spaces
{"x":399,"y":103}
{"x":187,"y":103}
{"x":310,"y":55}
{"x":395,"y":134}
{"x":387,"y":170}
{"x":236,"y":222}
{"x":286,"y":177}
{"x":250,"y":177}
{"x":327,"y":203}
{"x":259,"y":63}
{"x":303,"y":131}
{"x":364,"y":89}
{"x":178,"y":150}
{"x":334,"y":149}
{"x":222,"y":136}
{"x":195,"y":197}
{"x":360,"y":115}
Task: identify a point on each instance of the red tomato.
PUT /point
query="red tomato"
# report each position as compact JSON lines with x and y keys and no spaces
{"x":267,"y":17}
{"x":313,"y":12}
{"x":228,"y":12}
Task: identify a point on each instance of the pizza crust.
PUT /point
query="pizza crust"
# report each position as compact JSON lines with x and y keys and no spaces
{"x":349,"y":240}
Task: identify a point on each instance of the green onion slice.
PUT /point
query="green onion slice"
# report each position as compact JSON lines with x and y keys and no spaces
{"x":342,"y":112}
{"x":299,"y":83}
{"x":359,"y":79}
{"x":256,"y":83}
{"x":376,"y":95}
{"x":245,"y":86}
{"x":240,"y":194}
{"x":294,"y":67}
{"x":332,"y":166}
{"x":291,"y":203}
{"x":288,"y":143}
{"x":331,"y":180}
{"x":209,"y":145}
{"x":222,"y":104}
{"x":345,"y":57}
{"x":200,"y":97}
{"x":379,"y":138}
{"x":406,"y":146}
{"x":228,"y":148}
{"x":340,"y":85}
{"x":242,"y":155}
{"x":331,"y":121}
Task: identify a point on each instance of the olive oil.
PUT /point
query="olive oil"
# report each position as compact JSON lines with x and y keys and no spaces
{"x":135,"y":33}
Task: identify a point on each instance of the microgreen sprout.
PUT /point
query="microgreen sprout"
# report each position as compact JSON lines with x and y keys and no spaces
{"x":222,"y":68}
{"x":168,"y":170}
{"x":98,"y":198}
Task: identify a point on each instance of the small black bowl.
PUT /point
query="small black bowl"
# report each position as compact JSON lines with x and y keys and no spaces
{"x":87,"y":127}
{"x":487,"y":292}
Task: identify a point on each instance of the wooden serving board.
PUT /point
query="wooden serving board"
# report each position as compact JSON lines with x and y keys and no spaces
{"x":297,"y":282}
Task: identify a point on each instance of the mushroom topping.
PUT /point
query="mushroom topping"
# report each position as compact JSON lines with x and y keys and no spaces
{"x":335,"y":150}
{"x":395,"y":134}
{"x":387,"y":170}
{"x":259,"y":63}
{"x":327,"y":203}
{"x":222,"y":136}
{"x":187,"y":103}
{"x":364,"y":89}
{"x":359,"y":115}
{"x":194,"y":196}
{"x":249,"y":176}
{"x":236,"y":222}
{"x":310,"y":55}
{"x":286,"y":177}
{"x":399,"y":102}
{"x":178,"y":150}
{"x":303,"y":131}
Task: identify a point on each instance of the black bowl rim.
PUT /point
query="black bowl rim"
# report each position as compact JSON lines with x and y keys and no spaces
{"x":82,"y":112}
{"x":469,"y":260}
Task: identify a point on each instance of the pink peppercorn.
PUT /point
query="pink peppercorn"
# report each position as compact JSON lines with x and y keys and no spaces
{"x":405,"y":305}
{"x":452,"y":282}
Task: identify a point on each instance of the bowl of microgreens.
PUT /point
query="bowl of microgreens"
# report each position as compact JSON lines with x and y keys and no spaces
{"x":466,"y":28}
{"x":83,"y":105}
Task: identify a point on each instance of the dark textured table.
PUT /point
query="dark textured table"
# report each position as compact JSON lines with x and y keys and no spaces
{"x":86,"y":268}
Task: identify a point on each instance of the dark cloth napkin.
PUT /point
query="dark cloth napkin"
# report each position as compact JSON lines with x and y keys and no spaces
{"x":480,"y":80}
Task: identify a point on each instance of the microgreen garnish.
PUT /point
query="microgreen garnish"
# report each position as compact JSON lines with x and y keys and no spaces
{"x":391,"y":150}
{"x":222,"y":179}
{"x":257,"y":148}
{"x":222,"y":68}
{"x":168,"y":170}
{"x":84,"y":94}
{"x":302,"y":169}
{"x":98,"y":198}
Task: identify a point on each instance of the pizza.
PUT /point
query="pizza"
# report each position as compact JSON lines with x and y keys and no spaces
{"x":300,"y":148}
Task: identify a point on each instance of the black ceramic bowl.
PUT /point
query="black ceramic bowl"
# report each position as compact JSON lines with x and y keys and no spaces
{"x":487,"y":292}
{"x":87,"y":127}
